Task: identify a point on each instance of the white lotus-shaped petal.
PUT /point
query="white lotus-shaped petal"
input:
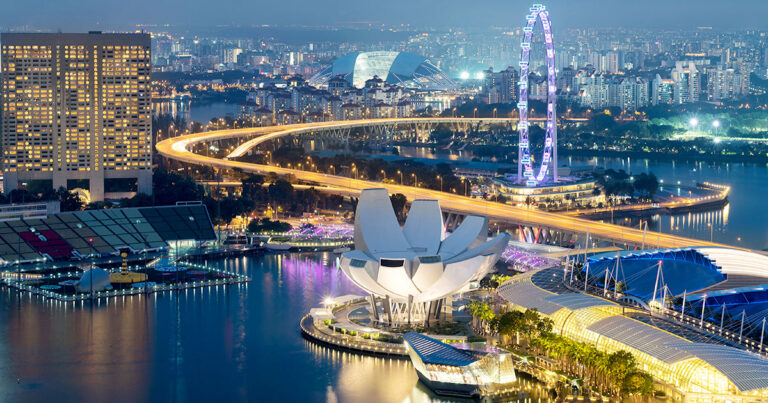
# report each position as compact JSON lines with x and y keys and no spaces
{"x":417,"y":261}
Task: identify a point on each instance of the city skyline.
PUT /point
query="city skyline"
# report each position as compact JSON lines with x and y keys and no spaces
{"x":558,"y":201}
{"x":74,"y":16}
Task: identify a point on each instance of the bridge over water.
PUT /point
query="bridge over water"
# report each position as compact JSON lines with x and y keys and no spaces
{"x":179,"y":148}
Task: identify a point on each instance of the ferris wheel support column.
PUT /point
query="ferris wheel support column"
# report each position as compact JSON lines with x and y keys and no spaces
{"x":554,"y":154}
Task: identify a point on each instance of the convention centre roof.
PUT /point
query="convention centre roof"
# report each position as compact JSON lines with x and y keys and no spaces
{"x":590,"y":318}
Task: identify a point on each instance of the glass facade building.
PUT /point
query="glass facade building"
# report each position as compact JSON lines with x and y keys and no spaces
{"x":76,"y":112}
{"x":401,"y":68}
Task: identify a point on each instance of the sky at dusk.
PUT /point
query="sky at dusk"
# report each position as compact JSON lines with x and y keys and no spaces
{"x":81,"y":15}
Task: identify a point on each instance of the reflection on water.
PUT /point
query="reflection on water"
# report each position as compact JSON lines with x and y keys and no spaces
{"x":395,"y":378}
{"x":356,"y":375}
{"x":238,"y":343}
{"x":713,"y":221}
{"x":741,"y":222}
{"x":195,"y":112}
{"x":435,"y":153}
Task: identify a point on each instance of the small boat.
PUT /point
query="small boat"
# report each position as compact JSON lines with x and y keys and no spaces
{"x":278,"y":244}
{"x":342,"y":249}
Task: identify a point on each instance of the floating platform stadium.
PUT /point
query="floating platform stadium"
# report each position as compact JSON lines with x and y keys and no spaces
{"x":92,"y":233}
{"x":97,"y":283}
{"x":30,"y":250}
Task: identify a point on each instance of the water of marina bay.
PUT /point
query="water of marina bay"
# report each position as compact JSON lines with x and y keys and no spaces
{"x":743,"y":222}
{"x":200,"y":112}
{"x":236,"y":343}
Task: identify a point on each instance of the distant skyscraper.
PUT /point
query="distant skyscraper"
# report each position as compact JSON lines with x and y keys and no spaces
{"x":501,"y":87}
{"x":687,"y":82}
{"x":662,"y":91}
{"x":77,"y":112}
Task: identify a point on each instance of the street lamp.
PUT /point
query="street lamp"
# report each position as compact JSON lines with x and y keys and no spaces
{"x":401,"y":176}
{"x":693,"y":123}
{"x":415,"y":180}
{"x":385,"y":174}
{"x":441,"y":182}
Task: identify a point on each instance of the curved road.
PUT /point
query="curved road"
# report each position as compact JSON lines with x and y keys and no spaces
{"x":177,"y":148}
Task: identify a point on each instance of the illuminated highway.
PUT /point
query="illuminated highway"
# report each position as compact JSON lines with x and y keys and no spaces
{"x":178,"y":149}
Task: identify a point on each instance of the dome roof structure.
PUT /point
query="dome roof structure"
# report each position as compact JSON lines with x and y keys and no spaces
{"x":417,"y":263}
{"x":95,"y":279}
{"x":401,"y":68}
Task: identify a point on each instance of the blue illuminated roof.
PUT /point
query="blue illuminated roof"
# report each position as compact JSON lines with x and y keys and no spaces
{"x":682,"y":270}
{"x":436,"y":352}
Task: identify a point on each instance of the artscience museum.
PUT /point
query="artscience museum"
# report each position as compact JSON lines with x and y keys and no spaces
{"x":413,"y":269}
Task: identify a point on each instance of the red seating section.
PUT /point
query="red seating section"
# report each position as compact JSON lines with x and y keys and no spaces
{"x":48,"y":242}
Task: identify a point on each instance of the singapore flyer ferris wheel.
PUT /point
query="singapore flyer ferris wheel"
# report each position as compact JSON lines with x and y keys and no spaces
{"x":549,"y":154}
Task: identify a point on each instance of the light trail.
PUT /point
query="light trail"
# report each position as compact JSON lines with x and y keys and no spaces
{"x":178,"y":149}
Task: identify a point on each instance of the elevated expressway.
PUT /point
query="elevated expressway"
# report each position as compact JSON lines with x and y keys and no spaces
{"x":177,"y":148}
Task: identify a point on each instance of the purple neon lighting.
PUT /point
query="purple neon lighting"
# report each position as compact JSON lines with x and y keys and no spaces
{"x":525,"y":260}
{"x":538,"y":12}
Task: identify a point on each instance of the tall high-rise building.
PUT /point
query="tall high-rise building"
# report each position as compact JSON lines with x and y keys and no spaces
{"x":662,"y":91}
{"x":687,"y":82}
{"x":77,"y":112}
{"x":501,"y":87}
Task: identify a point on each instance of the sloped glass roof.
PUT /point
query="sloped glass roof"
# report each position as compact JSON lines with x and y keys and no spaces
{"x":432,"y":351}
{"x":401,"y":68}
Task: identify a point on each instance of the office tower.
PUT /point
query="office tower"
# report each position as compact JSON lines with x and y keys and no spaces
{"x":77,"y":112}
